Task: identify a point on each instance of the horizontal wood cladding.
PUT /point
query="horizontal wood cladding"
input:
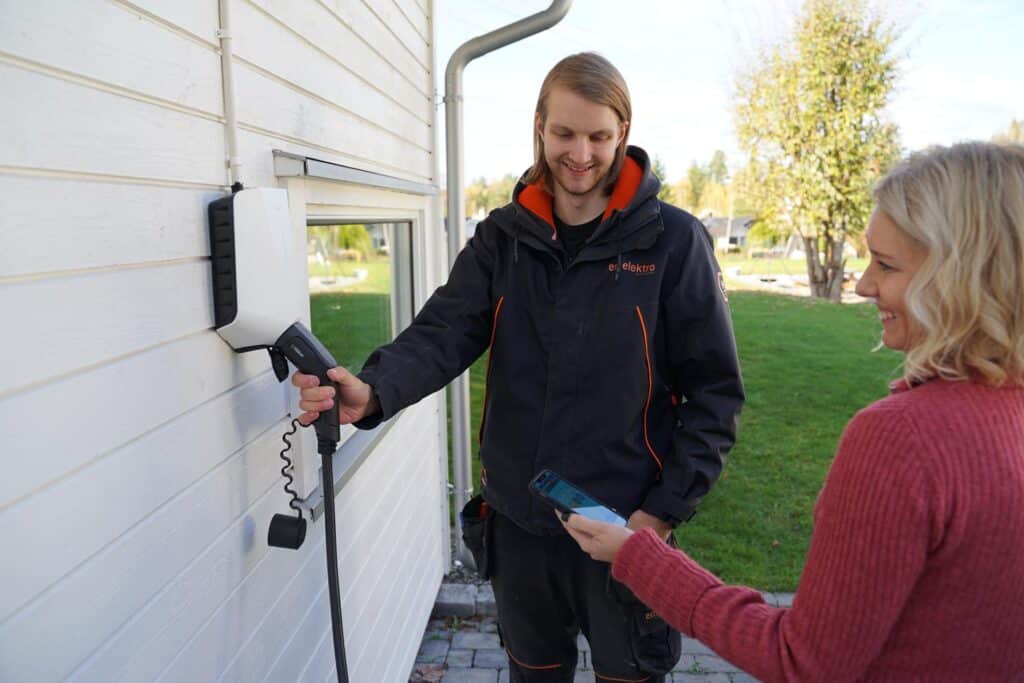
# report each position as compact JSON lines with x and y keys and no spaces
{"x":271,"y":107}
{"x":140,"y":515}
{"x":101,"y":132}
{"x":188,"y":373}
{"x":92,"y":507}
{"x":95,"y":318}
{"x":110,"y":44}
{"x":80,"y":228}
{"x":383,"y":64}
{"x":402,"y":47}
{"x":176,"y":561}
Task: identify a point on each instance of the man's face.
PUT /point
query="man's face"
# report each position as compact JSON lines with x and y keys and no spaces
{"x":580,"y":138}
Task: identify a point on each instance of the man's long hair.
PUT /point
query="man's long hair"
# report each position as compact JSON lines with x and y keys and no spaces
{"x":593,"y":78}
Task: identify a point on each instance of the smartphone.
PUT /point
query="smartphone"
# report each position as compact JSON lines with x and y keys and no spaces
{"x":566,"y":497}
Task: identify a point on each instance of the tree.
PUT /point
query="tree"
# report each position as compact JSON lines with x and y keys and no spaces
{"x":717,"y":171}
{"x":1013,"y":134}
{"x":698,"y":178}
{"x":665,"y":194}
{"x":483,"y":196}
{"x":809,"y":117}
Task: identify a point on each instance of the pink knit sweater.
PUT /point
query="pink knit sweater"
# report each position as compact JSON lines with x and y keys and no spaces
{"x":916,"y":564}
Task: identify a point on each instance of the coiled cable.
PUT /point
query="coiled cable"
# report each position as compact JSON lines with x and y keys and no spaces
{"x":288,"y":467}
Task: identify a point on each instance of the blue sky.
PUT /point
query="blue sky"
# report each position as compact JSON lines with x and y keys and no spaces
{"x":962,"y":70}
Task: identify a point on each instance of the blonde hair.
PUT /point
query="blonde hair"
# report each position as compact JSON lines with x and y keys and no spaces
{"x":965,"y":205}
{"x":593,"y":78}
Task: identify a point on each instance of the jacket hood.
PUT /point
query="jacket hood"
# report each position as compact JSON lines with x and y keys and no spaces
{"x":632,"y":205}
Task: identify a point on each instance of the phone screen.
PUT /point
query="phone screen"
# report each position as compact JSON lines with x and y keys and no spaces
{"x":580,"y":503}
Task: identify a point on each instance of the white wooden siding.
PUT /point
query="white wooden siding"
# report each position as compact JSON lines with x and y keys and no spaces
{"x":152,"y":224}
{"x":140,"y":452}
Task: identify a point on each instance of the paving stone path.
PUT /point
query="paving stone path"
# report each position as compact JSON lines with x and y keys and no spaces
{"x":461,"y":645}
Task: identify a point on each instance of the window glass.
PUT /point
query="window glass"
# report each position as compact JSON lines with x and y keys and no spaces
{"x":360,"y":284}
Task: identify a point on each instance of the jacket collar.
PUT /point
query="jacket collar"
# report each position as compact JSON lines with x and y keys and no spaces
{"x":631,"y":219}
{"x":537,"y":200}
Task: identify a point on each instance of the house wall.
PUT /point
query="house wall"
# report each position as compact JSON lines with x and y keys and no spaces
{"x":140,"y":453}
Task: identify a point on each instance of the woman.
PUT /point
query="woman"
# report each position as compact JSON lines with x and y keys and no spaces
{"x":916,"y":564}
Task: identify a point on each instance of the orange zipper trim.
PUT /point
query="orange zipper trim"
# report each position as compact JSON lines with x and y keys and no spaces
{"x":527,"y":666}
{"x":487,"y":375}
{"x":650,"y":385}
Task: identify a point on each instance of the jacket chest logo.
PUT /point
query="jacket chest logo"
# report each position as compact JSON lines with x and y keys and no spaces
{"x":635,"y":268}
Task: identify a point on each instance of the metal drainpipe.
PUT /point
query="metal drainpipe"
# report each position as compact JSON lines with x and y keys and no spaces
{"x":467,"y":52}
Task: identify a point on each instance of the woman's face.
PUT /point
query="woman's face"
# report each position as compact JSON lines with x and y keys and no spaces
{"x":895,"y":258}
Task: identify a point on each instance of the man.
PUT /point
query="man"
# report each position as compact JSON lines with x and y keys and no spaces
{"x":612,"y":362}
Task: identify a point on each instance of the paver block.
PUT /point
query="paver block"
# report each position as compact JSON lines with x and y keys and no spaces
{"x":503,"y":676}
{"x":581,"y":643}
{"x":685,"y":663}
{"x":779,"y":599}
{"x":455,"y":600}
{"x":490,"y":659}
{"x":485,"y":605}
{"x":700,"y":678}
{"x":692,"y":646}
{"x":433,"y":651}
{"x":743,"y":677}
{"x":474,"y":640}
{"x":470,"y":676}
{"x":460,"y":659}
{"x":714,"y":664}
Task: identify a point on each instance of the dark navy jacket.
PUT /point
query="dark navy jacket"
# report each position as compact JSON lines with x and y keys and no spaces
{"x":617,"y":370}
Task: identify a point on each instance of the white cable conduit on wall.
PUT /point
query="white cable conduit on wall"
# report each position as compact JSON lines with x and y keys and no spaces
{"x":228,"y":92}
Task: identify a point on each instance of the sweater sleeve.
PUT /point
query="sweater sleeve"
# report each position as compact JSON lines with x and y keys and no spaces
{"x":870,"y":542}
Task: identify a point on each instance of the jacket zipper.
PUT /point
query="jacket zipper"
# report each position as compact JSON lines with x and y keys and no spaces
{"x":487,"y":374}
{"x":650,"y":385}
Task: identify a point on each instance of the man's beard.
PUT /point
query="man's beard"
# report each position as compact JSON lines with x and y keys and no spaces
{"x":598,"y":183}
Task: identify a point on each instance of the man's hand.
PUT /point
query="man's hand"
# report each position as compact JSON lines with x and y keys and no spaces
{"x":641,"y":520}
{"x":355,"y":397}
{"x":600,"y":540}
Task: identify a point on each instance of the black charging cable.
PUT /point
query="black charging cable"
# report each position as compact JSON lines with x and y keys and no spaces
{"x":289,"y":532}
{"x":326,"y":447}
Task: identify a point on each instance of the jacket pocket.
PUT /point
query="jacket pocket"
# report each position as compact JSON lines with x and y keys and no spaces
{"x":476,"y":520}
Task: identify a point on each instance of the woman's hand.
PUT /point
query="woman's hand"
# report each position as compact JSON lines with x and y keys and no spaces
{"x":600,"y":540}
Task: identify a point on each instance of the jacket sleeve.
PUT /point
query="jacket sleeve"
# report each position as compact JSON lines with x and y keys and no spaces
{"x":704,"y":372}
{"x":450,"y":332}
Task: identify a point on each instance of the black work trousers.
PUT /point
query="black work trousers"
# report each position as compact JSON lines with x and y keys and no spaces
{"x":547,"y":590}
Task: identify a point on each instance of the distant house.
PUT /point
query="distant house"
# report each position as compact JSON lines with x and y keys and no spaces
{"x":141,"y":453}
{"x":729,"y":233}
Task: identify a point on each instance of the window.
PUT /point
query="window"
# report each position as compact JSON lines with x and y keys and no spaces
{"x":360,"y":285}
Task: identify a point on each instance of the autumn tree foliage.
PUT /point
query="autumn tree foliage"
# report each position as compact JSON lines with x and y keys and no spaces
{"x":810,"y":118}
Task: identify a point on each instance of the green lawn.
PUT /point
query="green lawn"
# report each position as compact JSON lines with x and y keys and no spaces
{"x":355,"y":321}
{"x":808,"y":367}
